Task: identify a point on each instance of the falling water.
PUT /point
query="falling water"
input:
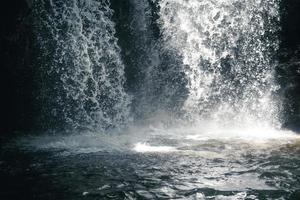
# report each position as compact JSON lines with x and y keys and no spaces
{"x":154,"y":73}
{"x":82,"y":73}
{"x":189,"y":86}
{"x":227,"y":50}
{"x":211,"y":61}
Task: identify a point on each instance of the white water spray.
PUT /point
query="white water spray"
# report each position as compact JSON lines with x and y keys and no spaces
{"x":79,"y":38}
{"x":226,"y":48}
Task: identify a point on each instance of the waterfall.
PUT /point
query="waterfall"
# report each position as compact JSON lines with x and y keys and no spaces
{"x":154,"y":75}
{"x":196,"y":60}
{"x":227,"y":49}
{"x":81,"y":72}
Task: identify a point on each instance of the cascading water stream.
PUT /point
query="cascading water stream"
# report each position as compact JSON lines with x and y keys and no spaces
{"x":82,"y":75}
{"x":154,"y":99}
{"x":212,"y":61}
{"x":153,"y":72}
{"x":227,"y":49}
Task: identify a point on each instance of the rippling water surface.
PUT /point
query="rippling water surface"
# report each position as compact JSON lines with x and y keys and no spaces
{"x":154,"y":163}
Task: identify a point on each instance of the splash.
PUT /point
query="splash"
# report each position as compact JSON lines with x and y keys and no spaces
{"x":143,"y":147}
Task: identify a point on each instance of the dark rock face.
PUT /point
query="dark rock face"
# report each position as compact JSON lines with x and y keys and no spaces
{"x":289,"y":67}
{"x":16,"y":73}
{"x":290,"y":19}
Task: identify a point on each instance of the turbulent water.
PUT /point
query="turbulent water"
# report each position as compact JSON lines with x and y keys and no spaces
{"x":226,"y":48}
{"x":211,"y":61}
{"x":154,"y":163}
{"x":164,"y":99}
{"x":81,"y":64}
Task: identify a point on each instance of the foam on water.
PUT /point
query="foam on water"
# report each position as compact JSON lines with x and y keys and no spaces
{"x":144,"y":147}
{"x":196,"y":140}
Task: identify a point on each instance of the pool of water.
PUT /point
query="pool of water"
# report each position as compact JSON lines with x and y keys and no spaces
{"x":153,"y":163}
